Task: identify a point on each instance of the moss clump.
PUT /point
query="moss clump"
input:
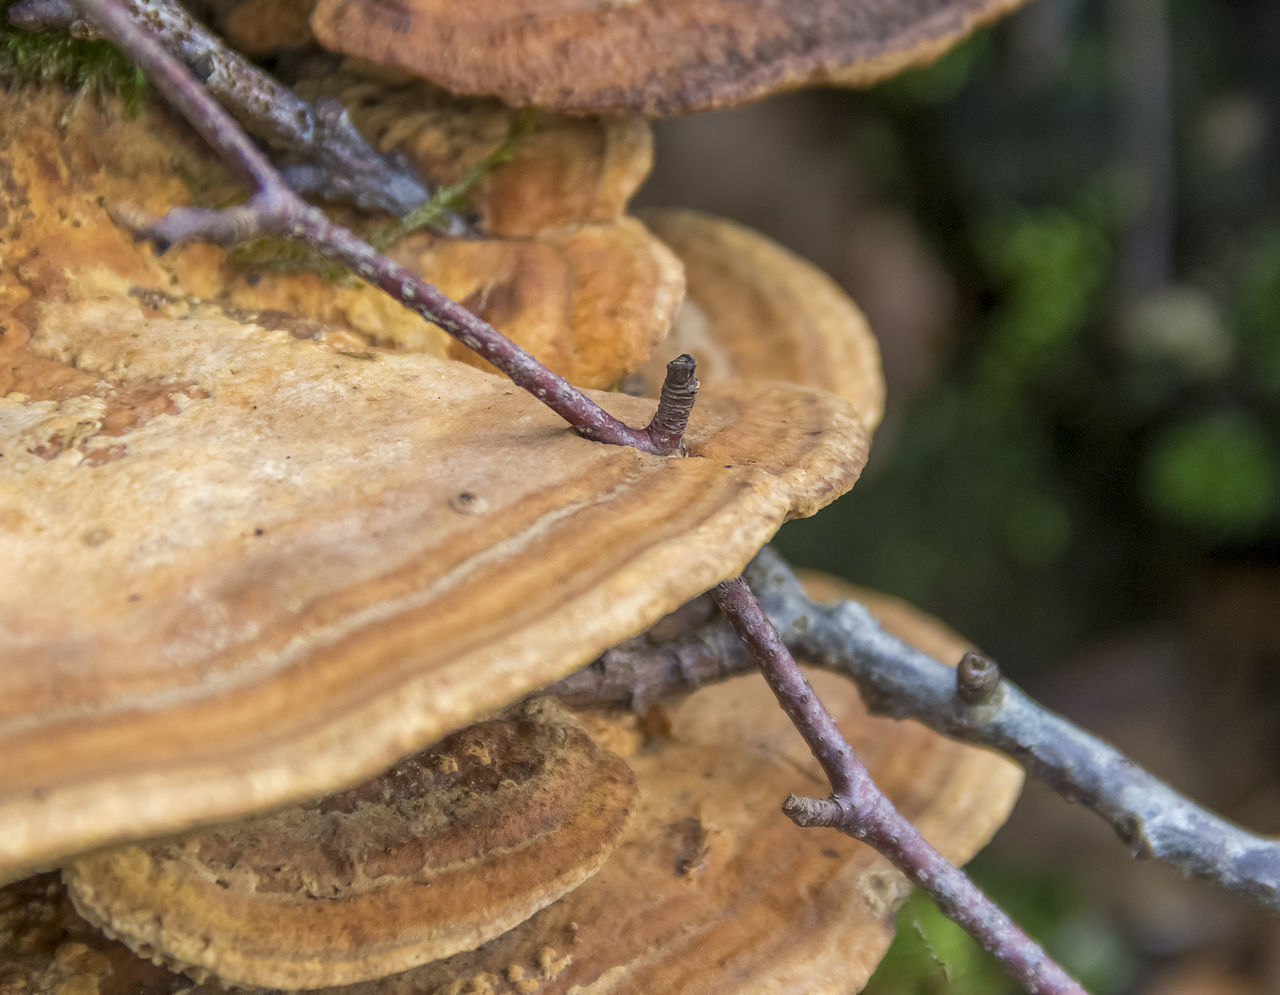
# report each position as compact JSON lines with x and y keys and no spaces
{"x":90,"y":66}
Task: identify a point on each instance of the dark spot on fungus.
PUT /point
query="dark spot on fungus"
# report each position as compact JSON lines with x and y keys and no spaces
{"x":96,"y":536}
{"x":467,"y":503}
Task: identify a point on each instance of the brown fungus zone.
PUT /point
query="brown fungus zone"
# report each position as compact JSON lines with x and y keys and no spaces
{"x":305,"y":556}
{"x":580,"y":285}
{"x":555,"y":263}
{"x":280,"y":586}
{"x":652,"y":57}
{"x":712,"y":889}
{"x":442,"y":852}
{"x":563,"y":171}
{"x":590,"y":300}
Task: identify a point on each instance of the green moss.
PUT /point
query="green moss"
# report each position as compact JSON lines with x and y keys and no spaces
{"x":96,"y":67}
{"x":1258,"y":310}
{"x":278,"y":255}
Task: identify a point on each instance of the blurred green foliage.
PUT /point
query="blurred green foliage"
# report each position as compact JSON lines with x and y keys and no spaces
{"x":1047,"y":268}
{"x":1214,"y":473}
{"x":1090,"y":438}
{"x":1094,"y":439}
{"x":1257,"y":311}
{"x":931,"y":955}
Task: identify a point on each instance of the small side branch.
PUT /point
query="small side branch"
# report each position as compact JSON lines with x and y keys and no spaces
{"x":860,"y":809}
{"x":689,"y":649}
{"x":276,"y":210}
{"x":335,"y":162}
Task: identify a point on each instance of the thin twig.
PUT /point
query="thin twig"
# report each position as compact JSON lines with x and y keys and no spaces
{"x":858,"y":808}
{"x":900,"y":681}
{"x":276,"y":210}
{"x":336,"y":163}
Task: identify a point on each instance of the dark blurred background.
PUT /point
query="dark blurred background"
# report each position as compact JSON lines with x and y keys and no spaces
{"x":1067,"y":238}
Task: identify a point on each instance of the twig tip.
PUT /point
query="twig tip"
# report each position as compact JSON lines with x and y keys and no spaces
{"x":808,"y":813}
{"x":679,"y":391}
{"x":977,"y":679}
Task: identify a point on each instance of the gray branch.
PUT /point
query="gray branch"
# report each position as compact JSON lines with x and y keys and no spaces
{"x":901,"y":682}
{"x":334,"y":160}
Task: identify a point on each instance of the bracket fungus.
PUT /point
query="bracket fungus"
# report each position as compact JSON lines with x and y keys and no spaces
{"x":246,"y":567}
{"x":262,"y":28}
{"x":711,"y":888}
{"x":254,"y":557}
{"x":564,"y":170}
{"x":560,"y":268}
{"x":590,"y":300}
{"x":652,"y":57}
{"x":313,"y":562}
{"x":446,"y":850}
{"x":588,"y":288}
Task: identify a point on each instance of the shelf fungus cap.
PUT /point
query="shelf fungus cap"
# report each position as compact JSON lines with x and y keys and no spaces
{"x":244,"y":568}
{"x":560,"y":269}
{"x":756,"y":311}
{"x":250,"y":558}
{"x":580,"y":285}
{"x":262,"y":28}
{"x":653,"y":57}
{"x":446,"y":850}
{"x":713,"y":889}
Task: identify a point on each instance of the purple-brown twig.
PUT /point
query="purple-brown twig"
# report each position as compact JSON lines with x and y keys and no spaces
{"x":860,"y":809}
{"x":274,"y":209}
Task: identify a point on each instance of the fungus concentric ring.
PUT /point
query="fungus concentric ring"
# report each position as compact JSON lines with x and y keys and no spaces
{"x":256,"y":587}
{"x":445,"y":850}
{"x":757,"y":311}
{"x":713,"y":889}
